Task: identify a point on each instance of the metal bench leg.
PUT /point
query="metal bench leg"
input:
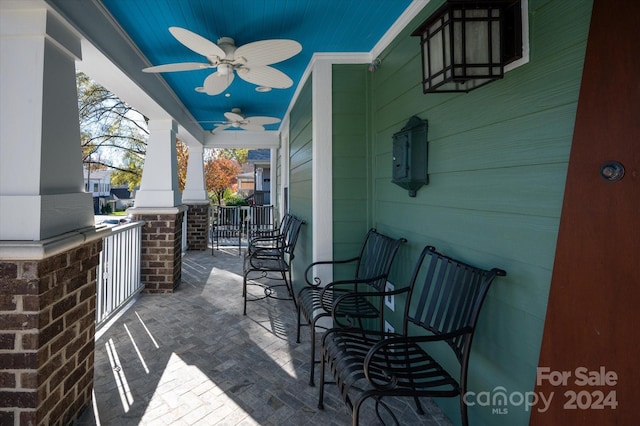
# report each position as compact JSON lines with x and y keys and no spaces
{"x":298,"y":328}
{"x":321,"y":392}
{"x":418,"y":405}
{"x":463,"y":411}
{"x":356,"y":412}
{"x":312,"y":364}
{"x":244,"y":293}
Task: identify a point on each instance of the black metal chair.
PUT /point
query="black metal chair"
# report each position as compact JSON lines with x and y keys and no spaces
{"x":443,"y":302}
{"x":260,"y":222}
{"x":273,"y":238}
{"x":271,"y":262}
{"x":227,"y":225}
{"x":372,"y":267}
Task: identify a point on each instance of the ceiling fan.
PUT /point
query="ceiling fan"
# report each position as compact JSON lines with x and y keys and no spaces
{"x":250,"y":61}
{"x":236,"y":120}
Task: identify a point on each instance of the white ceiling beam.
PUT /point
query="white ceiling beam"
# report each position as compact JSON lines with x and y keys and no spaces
{"x":242,"y":139}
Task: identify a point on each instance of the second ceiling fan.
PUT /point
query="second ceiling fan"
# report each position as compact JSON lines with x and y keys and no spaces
{"x":236,"y":120}
{"x":250,"y":61}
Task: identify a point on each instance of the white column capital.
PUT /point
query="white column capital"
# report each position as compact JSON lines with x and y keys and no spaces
{"x":165,"y":124}
{"x":41,"y":185}
{"x":32,"y":19}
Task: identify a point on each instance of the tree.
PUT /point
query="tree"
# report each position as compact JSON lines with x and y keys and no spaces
{"x":112,"y":133}
{"x":238,"y":154}
{"x":220,"y":175}
{"x":182,"y":151}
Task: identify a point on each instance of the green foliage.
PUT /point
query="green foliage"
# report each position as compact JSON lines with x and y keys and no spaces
{"x":106,"y":209}
{"x":235,"y":200}
{"x":238,"y":154}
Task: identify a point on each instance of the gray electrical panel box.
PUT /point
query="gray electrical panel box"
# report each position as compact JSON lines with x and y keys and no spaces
{"x":410,"y":156}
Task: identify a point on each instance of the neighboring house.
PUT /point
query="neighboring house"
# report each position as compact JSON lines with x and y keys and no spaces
{"x":255,"y":179}
{"x":121,"y":198}
{"x":246,"y":182}
{"x":98,"y":183}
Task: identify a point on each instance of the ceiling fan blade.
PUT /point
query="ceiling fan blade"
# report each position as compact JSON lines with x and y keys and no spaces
{"x":265,"y":76}
{"x":267,"y":52}
{"x":263,"y":120}
{"x":232,"y":116}
{"x":216,"y":83}
{"x":196,"y":42}
{"x":221,"y":127}
{"x":252,"y":127}
{"x":184,"y":66}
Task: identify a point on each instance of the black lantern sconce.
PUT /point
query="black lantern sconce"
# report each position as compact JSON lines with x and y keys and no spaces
{"x":466,"y":44}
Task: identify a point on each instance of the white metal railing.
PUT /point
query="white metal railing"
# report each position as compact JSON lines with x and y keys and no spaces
{"x":118,"y":277}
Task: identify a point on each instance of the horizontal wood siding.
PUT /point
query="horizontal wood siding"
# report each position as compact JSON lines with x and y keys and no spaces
{"x":497,"y":166}
{"x":300,"y":179}
{"x":350,"y":173}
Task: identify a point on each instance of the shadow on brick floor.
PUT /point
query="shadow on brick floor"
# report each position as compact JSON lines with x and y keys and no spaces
{"x":192,"y":358}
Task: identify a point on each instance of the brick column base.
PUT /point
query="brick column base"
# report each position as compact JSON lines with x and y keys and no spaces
{"x":47,"y":331}
{"x":161,"y":262}
{"x":198,"y":226}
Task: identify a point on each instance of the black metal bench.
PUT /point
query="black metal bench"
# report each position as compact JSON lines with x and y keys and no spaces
{"x":443,"y":301}
{"x":372,"y":266}
{"x":260,"y":222}
{"x":273,"y":238}
{"x":227,"y":226}
{"x":271,"y":262}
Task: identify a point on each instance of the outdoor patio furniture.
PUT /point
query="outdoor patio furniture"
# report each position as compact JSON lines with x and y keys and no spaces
{"x":371,"y":268}
{"x":227,"y":226}
{"x":260,"y":222}
{"x":273,"y":238}
{"x":265,"y":264}
{"x":443,"y":302}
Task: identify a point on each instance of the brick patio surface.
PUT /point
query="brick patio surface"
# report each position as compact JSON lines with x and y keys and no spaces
{"x":192,"y":358}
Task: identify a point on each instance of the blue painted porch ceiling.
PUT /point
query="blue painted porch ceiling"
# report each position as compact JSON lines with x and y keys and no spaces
{"x":319,"y":25}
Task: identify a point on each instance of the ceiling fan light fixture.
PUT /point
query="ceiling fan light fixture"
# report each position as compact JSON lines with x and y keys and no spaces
{"x":251,"y":61}
{"x":225,"y":69}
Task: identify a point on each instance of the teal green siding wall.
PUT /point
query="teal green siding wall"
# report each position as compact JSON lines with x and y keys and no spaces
{"x":351,"y":161}
{"x":497,"y":166}
{"x":300,"y":178}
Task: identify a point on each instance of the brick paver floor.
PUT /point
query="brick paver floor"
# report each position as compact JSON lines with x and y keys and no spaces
{"x":192,"y":358}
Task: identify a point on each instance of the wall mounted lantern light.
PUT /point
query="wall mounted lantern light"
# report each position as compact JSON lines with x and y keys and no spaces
{"x":466,"y":44}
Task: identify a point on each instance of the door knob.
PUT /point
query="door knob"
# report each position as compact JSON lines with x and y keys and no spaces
{"x":612,"y":171}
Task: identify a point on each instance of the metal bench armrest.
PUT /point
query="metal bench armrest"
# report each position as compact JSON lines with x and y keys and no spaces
{"x":316,"y":281}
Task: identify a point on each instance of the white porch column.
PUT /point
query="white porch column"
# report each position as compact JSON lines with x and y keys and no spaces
{"x":273,"y":175}
{"x":159,"y":186}
{"x":41,"y":186}
{"x":283,"y":200}
{"x":194,"y":188}
{"x":322,"y":186}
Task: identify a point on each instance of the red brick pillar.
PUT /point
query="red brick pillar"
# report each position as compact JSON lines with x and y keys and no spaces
{"x":161,"y":263}
{"x":47,"y":329}
{"x":198,"y":226}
